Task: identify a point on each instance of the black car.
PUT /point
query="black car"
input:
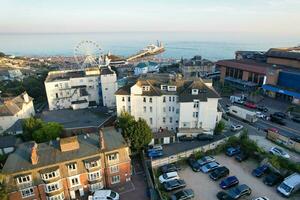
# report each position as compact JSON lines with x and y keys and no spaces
{"x":194,"y":164}
{"x":174,"y":184}
{"x":235,"y":193}
{"x":219,"y":172}
{"x":296,"y":119}
{"x":272,"y":179}
{"x":280,"y":114}
{"x":262,"y":108}
{"x":204,"y":137}
{"x":277,"y":120}
{"x":170,"y":168}
{"x":241,"y":156}
{"x":185,"y":138}
{"x":183,"y":194}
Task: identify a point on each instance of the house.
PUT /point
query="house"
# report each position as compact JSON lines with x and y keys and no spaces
{"x":163,"y":136}
{"x":68,"y":168}
{"x":15,"y":108}
{"x":171,"y":103}
{"x":196,"y":67}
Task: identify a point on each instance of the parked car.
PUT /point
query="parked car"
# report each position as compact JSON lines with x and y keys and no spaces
{"x":183,"y":194}
{"x":168,"y":176}
{"x":219,"y":172}
{"x":204,"y":137}
{"x":206,"y":159}
{"x":236,"y":127}
{"x":241,"y":156}
{"x":277,"y":120}
{"x":296,"y":119}
{"x":155,"y":148}
{"x":210,"y":166}
{"x":185,"y":138}
{"x":273,"y":179}
{"x":280,"y":114}
{"x":262,"y":108}
{"x":229,"y":182}
{"x":174,"y":184}
{"x":231,"y":151}
{"x":260,"y":115}
{"x":259,"y":171}
{"x":279,"y":152}
{"x":290,"y":185}
{"x":170,"y":168}
{"x":235,"y":193}
{"x":250,"y":104}
{"x":104,"y":194}
{"x":194,"y":164}
{"x":262,"y":198}
{"x":155,"y":154}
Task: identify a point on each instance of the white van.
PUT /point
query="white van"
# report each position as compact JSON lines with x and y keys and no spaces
{"x":168,"y":176}
{"x":290,"y":185}
{"x":104,"y":194}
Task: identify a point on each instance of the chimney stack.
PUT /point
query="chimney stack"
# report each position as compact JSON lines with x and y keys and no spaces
{"x":34,"y":155}
{"x":101,"y":140}
{"x":26,"y":97}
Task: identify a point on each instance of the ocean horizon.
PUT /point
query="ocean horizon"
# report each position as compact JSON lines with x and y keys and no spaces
{"x":178,"y":45}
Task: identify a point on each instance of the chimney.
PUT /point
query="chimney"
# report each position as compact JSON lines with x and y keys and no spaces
{"x":26,"y":97}
{"x":101,"y":140}
{"x":34,"y":155}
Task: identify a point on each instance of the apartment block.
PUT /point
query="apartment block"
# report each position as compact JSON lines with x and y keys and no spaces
{"x":68,"y":168}
{"x":78,"y":89}
{"x":171,"y":103}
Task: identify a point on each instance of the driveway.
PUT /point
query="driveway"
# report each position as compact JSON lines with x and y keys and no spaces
{"x":206,"y":189}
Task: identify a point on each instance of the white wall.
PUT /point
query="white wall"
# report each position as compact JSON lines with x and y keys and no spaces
{"x":109,"y":86}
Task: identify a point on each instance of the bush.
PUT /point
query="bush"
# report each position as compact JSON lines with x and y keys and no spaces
{"x":219,"y":127}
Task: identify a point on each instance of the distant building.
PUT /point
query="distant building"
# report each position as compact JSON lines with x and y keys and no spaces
{"x":13,"y":109}
{"x":78,"y":89}
{"x":15,"y":74}
{"x":170,"y":103}
{"x":69,"y":168}
{"x":196,"y":67}
{"x":284,"y":56}
{"x":145,"y":67}
{"x":259,"y":56}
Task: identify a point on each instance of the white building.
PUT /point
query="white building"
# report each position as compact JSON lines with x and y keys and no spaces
{"x":185,"y":106}
{"x":78,"y":89}
{"x":13,"y":109}
{"x":145,"y":67}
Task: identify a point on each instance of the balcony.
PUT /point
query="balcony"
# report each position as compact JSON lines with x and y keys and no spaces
{"x":50,"y":174}
{"x":92,"y":164}
{"x":54,"y":188}
{"x":24,"y":185}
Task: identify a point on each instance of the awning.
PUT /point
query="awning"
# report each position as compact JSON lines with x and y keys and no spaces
{"x":281,"y":91}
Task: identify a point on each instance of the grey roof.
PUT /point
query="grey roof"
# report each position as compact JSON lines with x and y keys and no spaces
{"x":72,"y":119}
{"x":16,"y":127}
{"x":292,"y":53}
{"x":49,"y":152}
{"x":162,"y":134}
{"x":8,"y":141}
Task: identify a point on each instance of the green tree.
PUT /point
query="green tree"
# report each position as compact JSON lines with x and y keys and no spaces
{"x":125,"y":122}
{"x":219,"y":127}
{"x":49,"y":131}
{"x":31,"y":125}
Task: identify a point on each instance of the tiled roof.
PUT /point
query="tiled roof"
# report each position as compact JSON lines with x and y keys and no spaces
{"x":12,"y":106}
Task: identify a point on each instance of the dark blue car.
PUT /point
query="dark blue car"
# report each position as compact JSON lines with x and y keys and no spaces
{"x":155,"y":154}
{"x":229,"y":182}
{"x":259,"y":171}
{"x":231,"y":151}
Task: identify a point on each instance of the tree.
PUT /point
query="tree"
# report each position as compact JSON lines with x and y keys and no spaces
{"x":219,"y":127}
{"x":136,"y":133}
{"x":31,"y":125}
{"x":49,"y":131}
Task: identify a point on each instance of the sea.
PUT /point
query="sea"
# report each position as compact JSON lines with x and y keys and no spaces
{"x":178,"y":44}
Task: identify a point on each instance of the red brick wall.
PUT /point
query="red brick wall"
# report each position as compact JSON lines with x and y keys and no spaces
{"x":124,"y":168}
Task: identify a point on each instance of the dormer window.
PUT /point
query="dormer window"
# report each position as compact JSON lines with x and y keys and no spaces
{"x":146,"y":88}
{"x":48,"y":174}
{"x":164,"y":87}
{"x":72,"y":167}
{"x":195,"y":91}
{"x":172,"y":88}
{"x":24,"y":179}
{"x":92,"y":163}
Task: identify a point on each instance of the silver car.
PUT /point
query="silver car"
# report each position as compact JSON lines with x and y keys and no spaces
{"x":209,"y":167}
{"x":206,"y":159}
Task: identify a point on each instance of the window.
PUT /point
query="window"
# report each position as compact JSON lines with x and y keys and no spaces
{"x":171,"y":120}
{"x":75,"y":181}
{"x":151,"y":121}
{"x":123,"y":108}
{"x":171,"y":88}
{"x":145,"y":109}
{"x":163,"y":87}
{"x":150,"y":99}
{"x":173,"y":109}
{"x":24,"y":179}
{"x":129,"y":108}
{"x":115,"y":179}
{"x":52,"y":187}
{"x":146,"y":88}
{"x":50,"y":175}
{"x":113,"y":157}
{"x":144,"y":99}
{"x":92,"y":164}
{"x":194,"y":91}
{"x":169,"y":108}
{"x":123,"y":98}
{"x":96,"y":186}
{"x":177,"y":110}
{"x":56,"y":85}
{"x":114,"y":169}
{"x":164,"y":120}
{"x":196,"y":104}
{"x":164,"y":99}
{"x":195,"y":114}
{"x":128,"y":99}
{"x":60,"y":196}
{"x":173,"y":99}
{"x":94,"y":175}
{"x":72,"y":167}
{"x":150,"y":108}
{"x":56,"y":95}
{"x":27,"y":192}
{"x":170,"y":99}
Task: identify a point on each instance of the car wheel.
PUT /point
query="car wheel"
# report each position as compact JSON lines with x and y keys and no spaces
{"x":249,"y":192}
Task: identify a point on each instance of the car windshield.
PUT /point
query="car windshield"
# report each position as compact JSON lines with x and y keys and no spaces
{"x":228,"y":180}
{"x":113,"y":194}
{"x":285,"y":187}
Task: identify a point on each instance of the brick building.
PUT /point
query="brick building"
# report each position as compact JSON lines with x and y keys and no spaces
{"x":69,"y":167}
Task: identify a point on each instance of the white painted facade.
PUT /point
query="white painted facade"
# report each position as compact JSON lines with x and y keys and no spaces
{"x":109,"y":86}
{"x":26,"y":110}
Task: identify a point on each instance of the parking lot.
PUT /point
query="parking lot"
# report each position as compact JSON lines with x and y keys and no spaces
{"x":206,"y":189}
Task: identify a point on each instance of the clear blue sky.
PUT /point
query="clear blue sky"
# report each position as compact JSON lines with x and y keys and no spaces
{"x":275,"y":17}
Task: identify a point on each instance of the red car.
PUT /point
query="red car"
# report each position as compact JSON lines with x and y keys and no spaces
{"x":250,"y":105}
{"x":275,"y":130}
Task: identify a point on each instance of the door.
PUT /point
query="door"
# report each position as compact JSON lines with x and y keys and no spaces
{"x":81,"y":192}
{"x":72,"y":194}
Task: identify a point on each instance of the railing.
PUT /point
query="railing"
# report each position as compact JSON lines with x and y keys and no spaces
{"x":25,"y":185}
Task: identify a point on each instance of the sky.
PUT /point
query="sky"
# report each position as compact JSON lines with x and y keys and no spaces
{"x":261,"y":17}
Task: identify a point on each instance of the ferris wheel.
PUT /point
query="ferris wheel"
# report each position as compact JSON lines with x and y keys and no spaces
{"x":87,"y":54}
